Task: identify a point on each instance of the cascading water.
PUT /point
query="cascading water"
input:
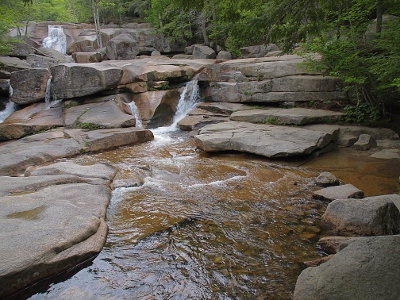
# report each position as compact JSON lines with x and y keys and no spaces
{"x":9,"y":109}
{"x":188,"y":100}
{"x":56,"y":39}
{"x":135,"y":113}
{"x":48,"y":96}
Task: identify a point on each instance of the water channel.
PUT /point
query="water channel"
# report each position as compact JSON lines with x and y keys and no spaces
{"x":184,"y":224}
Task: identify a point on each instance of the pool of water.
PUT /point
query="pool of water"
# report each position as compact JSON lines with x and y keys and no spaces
{"x":187,"y":225}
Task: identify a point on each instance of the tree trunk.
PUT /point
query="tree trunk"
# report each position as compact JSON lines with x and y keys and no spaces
{"x":379,"y":13}
{"x":97,"y":23}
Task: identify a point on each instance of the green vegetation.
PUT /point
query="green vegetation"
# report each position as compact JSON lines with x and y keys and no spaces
{"x":88,"y":126}
{"x":247,"y":93}
{"x":364,"y":54}
{"x":272,"y":121}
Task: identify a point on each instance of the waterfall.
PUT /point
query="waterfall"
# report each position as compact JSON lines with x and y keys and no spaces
{"x":10,"y":108}
{"x":49,"y":95}
{"x":56,"y":39}
{"x":135,"y":113}
{"x":187,"y":101}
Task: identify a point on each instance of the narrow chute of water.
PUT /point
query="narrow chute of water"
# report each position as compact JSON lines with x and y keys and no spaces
{"x":135,"y":113}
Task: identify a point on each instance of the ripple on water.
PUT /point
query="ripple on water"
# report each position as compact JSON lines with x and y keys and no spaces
{"x":200,"y":227}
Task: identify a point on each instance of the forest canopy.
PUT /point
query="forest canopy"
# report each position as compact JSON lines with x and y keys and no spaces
{"x":356,"y":39}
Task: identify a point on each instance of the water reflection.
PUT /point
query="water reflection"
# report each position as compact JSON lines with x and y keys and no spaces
{"x":199,"y":227}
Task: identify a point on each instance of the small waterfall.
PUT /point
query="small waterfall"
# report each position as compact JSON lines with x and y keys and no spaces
{"x":10,"y":106}
{"x":135,"y":113}
{"x":188,"y":100}
{"x":49,"y":95}
{"x":56,"y":39}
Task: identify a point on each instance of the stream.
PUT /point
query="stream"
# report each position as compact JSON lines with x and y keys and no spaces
{"x":184,"y":224}
{"x":227,"y":226}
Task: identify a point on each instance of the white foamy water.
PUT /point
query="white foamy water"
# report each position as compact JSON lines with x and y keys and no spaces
{"x":188,"y":100}
{"x":135,"y":113}
{"x":56,"y":39}
{"x":10,"y":108}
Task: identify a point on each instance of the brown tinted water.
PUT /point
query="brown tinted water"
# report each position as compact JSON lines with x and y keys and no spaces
{"x":227,"y":226}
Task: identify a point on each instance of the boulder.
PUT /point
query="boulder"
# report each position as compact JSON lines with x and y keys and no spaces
{"x":366,"y":269}
{"x":350,"y":134}
{"x":226,"y":108}
{"x":77,"y":80}
{"x":58,"y":56}
{"x":369,"y":216}
{"x":254,"y":51}
{"x":365,"y":142}
{"x":84,"y":40}
{"x":122,"y":47}
{"x":21,"y":49}
{"x":338,"y":192}
{"x":87,"y":57}
{"x":29,"y":86}
{"x":282,"y":116}
{"x":31,"y":119}
{"x":224,"y":55}
{"x":98,"y":115}
{"x":40,"y":61}
{"x":198,"y":118}
{"x":326,"y":179}
{"x":264,"y":140}
{"x":203,"y":52}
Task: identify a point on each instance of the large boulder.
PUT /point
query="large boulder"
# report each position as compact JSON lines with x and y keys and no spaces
{"x":122,"y":47}
{"x":265,"y":140}
{"x":338,"y":192}
{"x":29,"y":86}
{"x":77,"y":80}
{"x":12,"y":64}
{"x":366,"y":269}
{"x":203,"y":52}
{"x":369,"y":216}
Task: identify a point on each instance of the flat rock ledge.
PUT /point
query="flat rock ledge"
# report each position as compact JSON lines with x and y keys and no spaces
{"x":260,"y":139}
{"x":40,"y":148}
{"x":51,"y":221}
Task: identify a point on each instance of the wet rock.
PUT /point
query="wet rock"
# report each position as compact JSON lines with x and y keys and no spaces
{"x":365,"y":142}
{"x":34,"y":118}
{"x":338,"y":192}
{"x":341,"y":278}
{"x":334,"y":244}
{"x":280,"y":116}
{"x":326,"y":179}
{"x":203,"y":52}
{"x":198,"y":118}
{"x":4,"y":87}
{"x":102,"y":171}
{"x":265,"y":140}
{"x":29,"y":85}
{"x":369,"y":216}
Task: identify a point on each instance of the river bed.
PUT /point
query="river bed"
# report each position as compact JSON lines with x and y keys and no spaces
{"x":184,"y":224}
